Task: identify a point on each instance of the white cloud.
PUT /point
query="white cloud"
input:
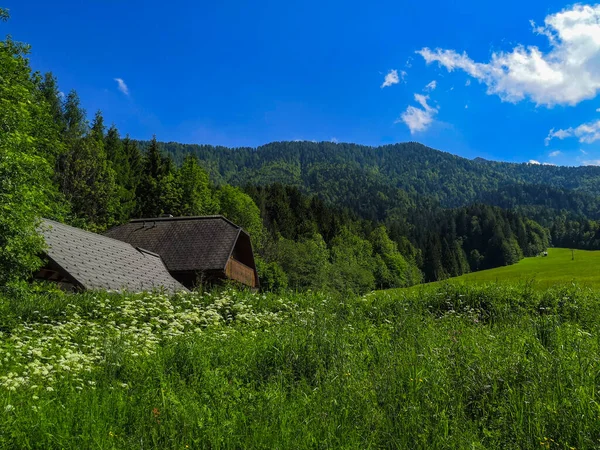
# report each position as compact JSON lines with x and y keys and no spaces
{"x":597,"y":109}
{"x":418,"y":119}
{"x":583,"y":152}
{"x":334,"y":140}
{"x":431,"y":86}
{"x":567,"y":74}
{"x":122,"y":86}
{"x":393,"y":78}
{"x":591,"y":162}
{"x":468,"y":83}
{"x":61,"y":95}
{"x":466,"y":106}
{"x":554,"y":154}
{"x":533,"y":161}
{"x":586,"y":133}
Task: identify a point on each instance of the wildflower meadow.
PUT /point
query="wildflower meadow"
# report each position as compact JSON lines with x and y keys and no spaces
{"x":454,"y":366}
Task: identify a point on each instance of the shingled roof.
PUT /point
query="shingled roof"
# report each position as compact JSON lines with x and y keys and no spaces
{"x":202,"y":243}
{"x":92,"y":261}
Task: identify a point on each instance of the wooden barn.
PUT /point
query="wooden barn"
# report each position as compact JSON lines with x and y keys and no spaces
{"x":79,"y":260}
{"x":196,"y":250}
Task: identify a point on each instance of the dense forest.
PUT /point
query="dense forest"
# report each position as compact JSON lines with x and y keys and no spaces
{"x":321,"y":215}
{"x":401,"y":180}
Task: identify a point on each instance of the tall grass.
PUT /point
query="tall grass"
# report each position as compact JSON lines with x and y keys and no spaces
{"x":451,"y":367}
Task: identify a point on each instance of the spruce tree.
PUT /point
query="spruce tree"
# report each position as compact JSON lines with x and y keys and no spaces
{"x":74,"y":116}
{"x":52,"y":97}
{"x":196,"y":195}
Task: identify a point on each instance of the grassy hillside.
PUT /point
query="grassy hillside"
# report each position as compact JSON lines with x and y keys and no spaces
{"x":556,"y":268}
{"x":455,"y":367}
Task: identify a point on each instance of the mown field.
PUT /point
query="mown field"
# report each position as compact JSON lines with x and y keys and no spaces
{"x":557,"y":268}
{"x":452,"y":367}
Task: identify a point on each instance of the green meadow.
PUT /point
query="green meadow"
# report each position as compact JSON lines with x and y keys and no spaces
{"x":559,"y":267}
{"x":501,"y":366}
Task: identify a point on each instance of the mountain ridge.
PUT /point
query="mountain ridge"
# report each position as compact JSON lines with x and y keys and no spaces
{"x":352,"y":175}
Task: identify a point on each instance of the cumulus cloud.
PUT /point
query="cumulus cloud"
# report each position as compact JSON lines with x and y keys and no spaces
{"x":122,"y":86}
{"x":533,"y":161}
{"x":591,"y":162}
{"x":586,"y":133}
{"x":431,"y":86}
{"x":334,"y":140}
{"x":418,"y":119}
{"x":565,"y":75}
{"x":554,"y":154}
{"x":392,"y":77}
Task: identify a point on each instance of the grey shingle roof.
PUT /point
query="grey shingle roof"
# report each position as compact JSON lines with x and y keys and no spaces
{"x":184,"y":243}
{"x":99,"y":262}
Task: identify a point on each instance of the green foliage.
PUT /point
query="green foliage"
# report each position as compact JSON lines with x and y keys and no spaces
{"x":306,"y":262}
{"x":26,"y":191}
{"x":74,"y":116}
{"x":272,"y":277}
{"x":157,"y":192}
{"x":241,"y":210}
{"x":352,"y":263}
{"x":88,"y":183}
{"x":197,"y":198}
{"x":391,"y":268}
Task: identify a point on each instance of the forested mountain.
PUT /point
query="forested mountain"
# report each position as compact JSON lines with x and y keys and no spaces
{"x":340,"y":171}
{"x":394,"y":182}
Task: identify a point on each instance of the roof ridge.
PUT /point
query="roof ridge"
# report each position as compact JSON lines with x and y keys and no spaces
{"x":183,"y":218}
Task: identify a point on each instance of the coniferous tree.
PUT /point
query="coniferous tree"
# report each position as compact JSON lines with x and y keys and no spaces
{"x":197,"y":197}
{"x":135,"y":162}
{"x":74,"y":117}
{"x":158,"y":192}
{"x":52,"y":96}
{"x":148,"y":193}
{"x":98,"y":128}
{"x":115,"y":153}
{"x":89,"y":184}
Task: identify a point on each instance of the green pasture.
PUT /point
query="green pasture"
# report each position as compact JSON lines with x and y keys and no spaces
{"x":561,"y":266}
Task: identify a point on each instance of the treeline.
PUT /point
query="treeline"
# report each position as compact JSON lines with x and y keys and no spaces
{"x":58,"y":165}
{"x":441,"y":243}
{"x":473,"y":238}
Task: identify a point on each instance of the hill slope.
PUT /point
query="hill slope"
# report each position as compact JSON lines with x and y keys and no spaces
{"x":557,"y":268}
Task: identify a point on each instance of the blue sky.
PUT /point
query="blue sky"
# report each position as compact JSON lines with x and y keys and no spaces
{"x":515,"y":82}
